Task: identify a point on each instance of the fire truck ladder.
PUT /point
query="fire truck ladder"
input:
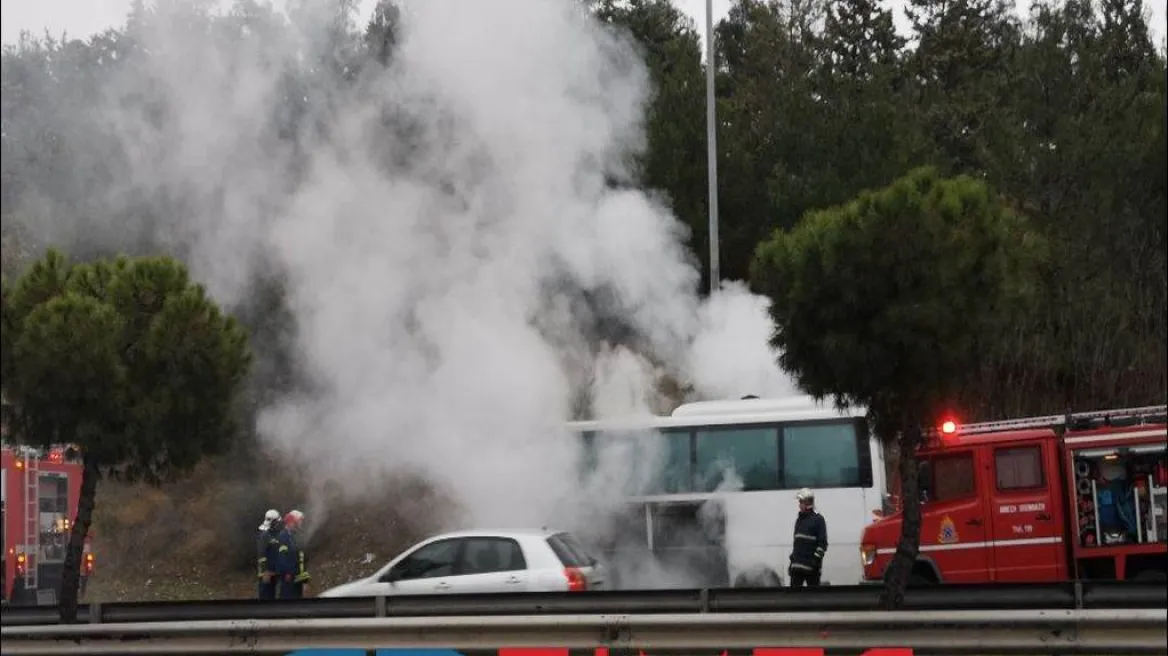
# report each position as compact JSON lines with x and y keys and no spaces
{"x":1127,"y":416}
{"x":32,"y":513}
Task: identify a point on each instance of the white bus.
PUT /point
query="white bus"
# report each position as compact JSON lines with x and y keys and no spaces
{"x":699,"y":525}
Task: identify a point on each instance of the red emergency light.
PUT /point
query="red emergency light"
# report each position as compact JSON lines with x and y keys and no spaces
{"x":949,"y":427}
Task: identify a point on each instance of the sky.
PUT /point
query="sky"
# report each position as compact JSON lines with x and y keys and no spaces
{"x":81,"y":18}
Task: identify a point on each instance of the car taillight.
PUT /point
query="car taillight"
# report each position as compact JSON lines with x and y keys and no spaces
{"x":576,"y":580}
{"x":89,"y":562}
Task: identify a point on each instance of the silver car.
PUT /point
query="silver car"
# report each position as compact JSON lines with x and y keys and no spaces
{"x":483,"y":561}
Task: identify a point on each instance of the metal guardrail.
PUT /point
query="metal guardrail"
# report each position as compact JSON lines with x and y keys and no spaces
{"x":1064,"y":596}
{"x":1032,"y":632}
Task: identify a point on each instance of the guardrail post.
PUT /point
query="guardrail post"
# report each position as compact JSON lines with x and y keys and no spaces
{"x":617,"y":631}
{"x":379,"y":607}
{"x":1078,"y":587}
{"x":95,"y":613}
{"x":704,"y":600}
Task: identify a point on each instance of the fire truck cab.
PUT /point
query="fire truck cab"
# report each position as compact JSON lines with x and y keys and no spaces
{"x":39,"y":491}
{"x":1081,"y":496}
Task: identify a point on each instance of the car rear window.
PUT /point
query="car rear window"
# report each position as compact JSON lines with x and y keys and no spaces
{"x":569,"y":551}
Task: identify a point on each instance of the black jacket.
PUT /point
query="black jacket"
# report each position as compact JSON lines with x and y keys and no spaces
{"x":810,"y":541}
{"x":267,"y":543}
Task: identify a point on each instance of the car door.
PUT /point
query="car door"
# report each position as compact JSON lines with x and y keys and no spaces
{"x":429,"y":569}
{"x":1025,"y":522}
{"x":953,"y":521}
{"x":492,"y":565}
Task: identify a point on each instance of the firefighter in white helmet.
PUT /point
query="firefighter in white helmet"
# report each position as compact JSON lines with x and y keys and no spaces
{"x":810,"y":544}
{"x":267,"y":552}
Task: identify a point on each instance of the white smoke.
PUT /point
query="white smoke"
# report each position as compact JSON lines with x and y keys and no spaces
{"x":730,"y":356}
{"x":432,"y":271}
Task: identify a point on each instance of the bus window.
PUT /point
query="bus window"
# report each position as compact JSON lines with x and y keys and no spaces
{"x":821,"y":456}
{"x":673,"y":455}
{"x":752,"y":454}
{"x":666,"y":452}
{"x":589,"y":459}
{"x":677,"y":473}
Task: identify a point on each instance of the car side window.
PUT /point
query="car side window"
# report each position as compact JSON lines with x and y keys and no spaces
{"x":487,"y":555}
{"x":433,"y":560}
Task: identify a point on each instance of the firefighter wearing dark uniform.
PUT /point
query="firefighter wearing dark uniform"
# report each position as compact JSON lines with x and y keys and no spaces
{"x":292,"y":574}
{"x":810,"y":543}
{"x":267,"y":554}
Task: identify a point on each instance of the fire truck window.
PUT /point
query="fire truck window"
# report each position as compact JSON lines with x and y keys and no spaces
{"x":952,"y":477}
{"x":53,"y":502}
{"x":1019,"y":468}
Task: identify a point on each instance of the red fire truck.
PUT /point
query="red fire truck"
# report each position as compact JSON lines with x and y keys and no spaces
{"x":1080,"y":496}
{"x":39,"y":491}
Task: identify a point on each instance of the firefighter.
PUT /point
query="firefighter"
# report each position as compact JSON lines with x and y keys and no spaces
{"x":267,"y":553}
{"x":292,"y":574}
{"x":810,"y":543}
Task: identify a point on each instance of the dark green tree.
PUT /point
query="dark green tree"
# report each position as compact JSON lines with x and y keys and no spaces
{"x":860,"y":38}
{"x":961,"y":70}
{"x":861,"y":87}
{"x":1091,"y":173}
{"x":381,"y":32}
{"x":130,"y":363}
{"x":882,"y":302}
{"x":771,"y":126}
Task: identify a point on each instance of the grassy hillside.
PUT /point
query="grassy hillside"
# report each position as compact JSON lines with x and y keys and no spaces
{"x":194,"y":539}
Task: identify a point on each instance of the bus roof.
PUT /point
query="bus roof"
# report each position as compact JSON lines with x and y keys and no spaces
{"x":756,"y":406}
{"x":729,"y":412}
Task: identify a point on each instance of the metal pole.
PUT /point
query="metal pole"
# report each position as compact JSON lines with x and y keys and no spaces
{"x":712,"y":147}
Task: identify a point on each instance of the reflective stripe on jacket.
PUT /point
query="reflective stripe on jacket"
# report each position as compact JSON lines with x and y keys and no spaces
{"x":810,"y":544}
{"x":291,"y":558}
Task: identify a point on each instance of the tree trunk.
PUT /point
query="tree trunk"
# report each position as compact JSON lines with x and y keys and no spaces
{"x":899,"y":570}
{"x":71,"y":576}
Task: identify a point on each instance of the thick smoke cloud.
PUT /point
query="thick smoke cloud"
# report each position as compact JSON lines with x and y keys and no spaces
{"x":457,"y":233}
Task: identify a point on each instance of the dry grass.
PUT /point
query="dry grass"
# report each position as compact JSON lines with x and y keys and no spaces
{"x":194,"y":539}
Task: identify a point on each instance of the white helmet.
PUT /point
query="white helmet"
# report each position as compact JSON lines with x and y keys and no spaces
{"x":806,"y":496}
{"x":269,"y":517}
